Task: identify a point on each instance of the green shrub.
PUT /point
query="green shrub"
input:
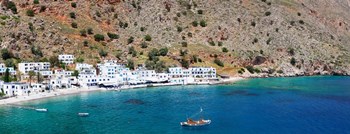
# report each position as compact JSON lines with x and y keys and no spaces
{"x":86,"y":43}
{"x":253,"y":24}
{"x":280,"y":71}
{"x":74,"y":25}
{"x":195,"y":23}
{"x":184,"y":44}
{"x":267,"y":13}
{"x":250,"y":69}
{"x":36,"y":51}
{"x":293,"y":61}
{"x":42,"y":8}
{"x":224,"y":49}
{"x":6,"y":54}
{"x":212,"y":43}
{"x":90,"y":31}
{"x":83,"y":32}
{"x":36,"y":2}
{"x":12,"y":6}
{"x":163,"y":51}
{"x":102,"y":53}
{"x":218,"y":62}
{"x":72,"y":15}
{"x":203,"y":23}
{"x":73,"y":4}
{"x":185,"y":63}
{"x":220,"y":44}
{"x":179,"y":29}
{"x":148,"y":37}
{"x":200,"y":11}
{"x":112,"y":36}
{"x":142,"y":29}
{"x":99,"y":37}
{"x":143,"y":45}
{"x":30,"y":13}
{"x":130,"y":40}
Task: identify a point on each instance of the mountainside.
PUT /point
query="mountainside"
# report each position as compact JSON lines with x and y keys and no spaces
{"x":275,"y":37}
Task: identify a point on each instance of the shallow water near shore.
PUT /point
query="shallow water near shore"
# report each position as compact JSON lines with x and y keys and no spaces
{"x":271,"y":105}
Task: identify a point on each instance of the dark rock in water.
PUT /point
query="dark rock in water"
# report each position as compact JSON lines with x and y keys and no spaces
{"x":270,"y":92}
{"x":236,"y":92}
{"x":135,"y":101}
{"x":251,"y":94}
{"x":91,"y":106}
{"x":194,"y":94}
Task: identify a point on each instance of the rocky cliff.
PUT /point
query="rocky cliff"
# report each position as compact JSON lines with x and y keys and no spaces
{"x":239,"y":37}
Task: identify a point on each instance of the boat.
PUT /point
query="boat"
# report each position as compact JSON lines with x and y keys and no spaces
{"x":196,"y":123}
{"x":83,"y":114}
{"x":192,"y":123}
{"x":41,"y":109}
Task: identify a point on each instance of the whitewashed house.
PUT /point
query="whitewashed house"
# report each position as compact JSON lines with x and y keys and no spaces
{"x":178,"y":75}
{"x":37,"y":87}
{"x":33,"y":66}
{"x":16,"y":89}
{"x":66,"y":58}
{"x":203,"y":74}
{"x":62,"y":73}
{"x":3,"y":69}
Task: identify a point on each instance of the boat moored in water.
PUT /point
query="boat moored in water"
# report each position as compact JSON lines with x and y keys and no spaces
{"x":83,"y":114}
{"x":192,"y":123}
{"x":41,"y":109}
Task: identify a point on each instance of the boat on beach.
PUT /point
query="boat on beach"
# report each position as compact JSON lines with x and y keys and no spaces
{"x":41,"y":109}
{"x":83,"y":114}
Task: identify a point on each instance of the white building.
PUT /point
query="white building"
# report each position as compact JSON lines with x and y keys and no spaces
{"x":33,"y":66}
{"x":3,"y":69}
{"x":203,"y":72}
{"x":111,"y":69}
{"x":63,"y":73}
{"x":178,"y":75}
{"x":66,"y":58}
{"x":82,"y":66}
{"x":36,"y":87}
{"x":62,"y":82}
{"x":89,"y":79}
{"x":16,"y":89}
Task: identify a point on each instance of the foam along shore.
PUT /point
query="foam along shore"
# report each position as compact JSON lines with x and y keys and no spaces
{"x":61,"y":92}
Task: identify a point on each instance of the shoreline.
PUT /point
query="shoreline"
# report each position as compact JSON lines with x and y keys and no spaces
{"x":71,"y":91}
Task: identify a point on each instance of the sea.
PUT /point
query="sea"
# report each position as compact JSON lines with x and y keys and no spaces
{"x":298,"y":105}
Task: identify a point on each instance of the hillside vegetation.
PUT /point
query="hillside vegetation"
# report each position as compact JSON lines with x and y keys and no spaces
{"x":270,"y":37}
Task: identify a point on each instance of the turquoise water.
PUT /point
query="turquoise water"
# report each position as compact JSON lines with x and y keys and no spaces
{"x":273,"y":105}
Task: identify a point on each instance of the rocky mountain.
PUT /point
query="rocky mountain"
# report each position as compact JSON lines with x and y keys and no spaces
{"x":239,"y":37}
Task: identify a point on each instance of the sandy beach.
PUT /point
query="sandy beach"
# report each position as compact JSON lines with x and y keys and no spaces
{"x":62,"y":92}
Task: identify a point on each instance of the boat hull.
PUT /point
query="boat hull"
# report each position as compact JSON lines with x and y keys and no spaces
{"x":196,"y":124}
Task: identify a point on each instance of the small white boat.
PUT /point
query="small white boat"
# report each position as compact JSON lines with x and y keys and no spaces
{"x":83,"y":114}
{"x":191,"y":123}
{"x":41,"y":110}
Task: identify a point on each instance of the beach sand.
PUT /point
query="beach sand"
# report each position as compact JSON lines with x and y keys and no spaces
{"x":61,"y":92}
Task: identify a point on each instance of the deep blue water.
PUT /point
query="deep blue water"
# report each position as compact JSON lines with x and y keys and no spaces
{"x":272,"y":106}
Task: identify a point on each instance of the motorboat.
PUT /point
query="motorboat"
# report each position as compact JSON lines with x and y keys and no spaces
{"x":192,"y":123}
{"x":83,"y":114}
{"x":41,"y":109}
{"x":196,"y":123}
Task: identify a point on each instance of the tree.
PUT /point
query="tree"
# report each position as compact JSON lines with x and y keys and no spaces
{"x":31,"y":74}
{"x":200,"y":11}
{"x":75,"y":73}
{"x":7,"y":76}
{"x":42,"y":8}
{"x":163,"y":51}
{"x":153,"y":54}
{"x":102,"y":53}
{"x":113,"y":36}
{"x":131,"y":64}
{"x":219,"y":62}
{"x":148,"y":37}
{"x":6,"y":54}
{"x":54,"y":61}
{"x":30,"y":13}
{"x":143,"y":45}
{"x":12,"y":6}
{"x":185,"y":63}
{"x":36,"y":51}
{"x":99,"y":37}
{"x":38,"y":77}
